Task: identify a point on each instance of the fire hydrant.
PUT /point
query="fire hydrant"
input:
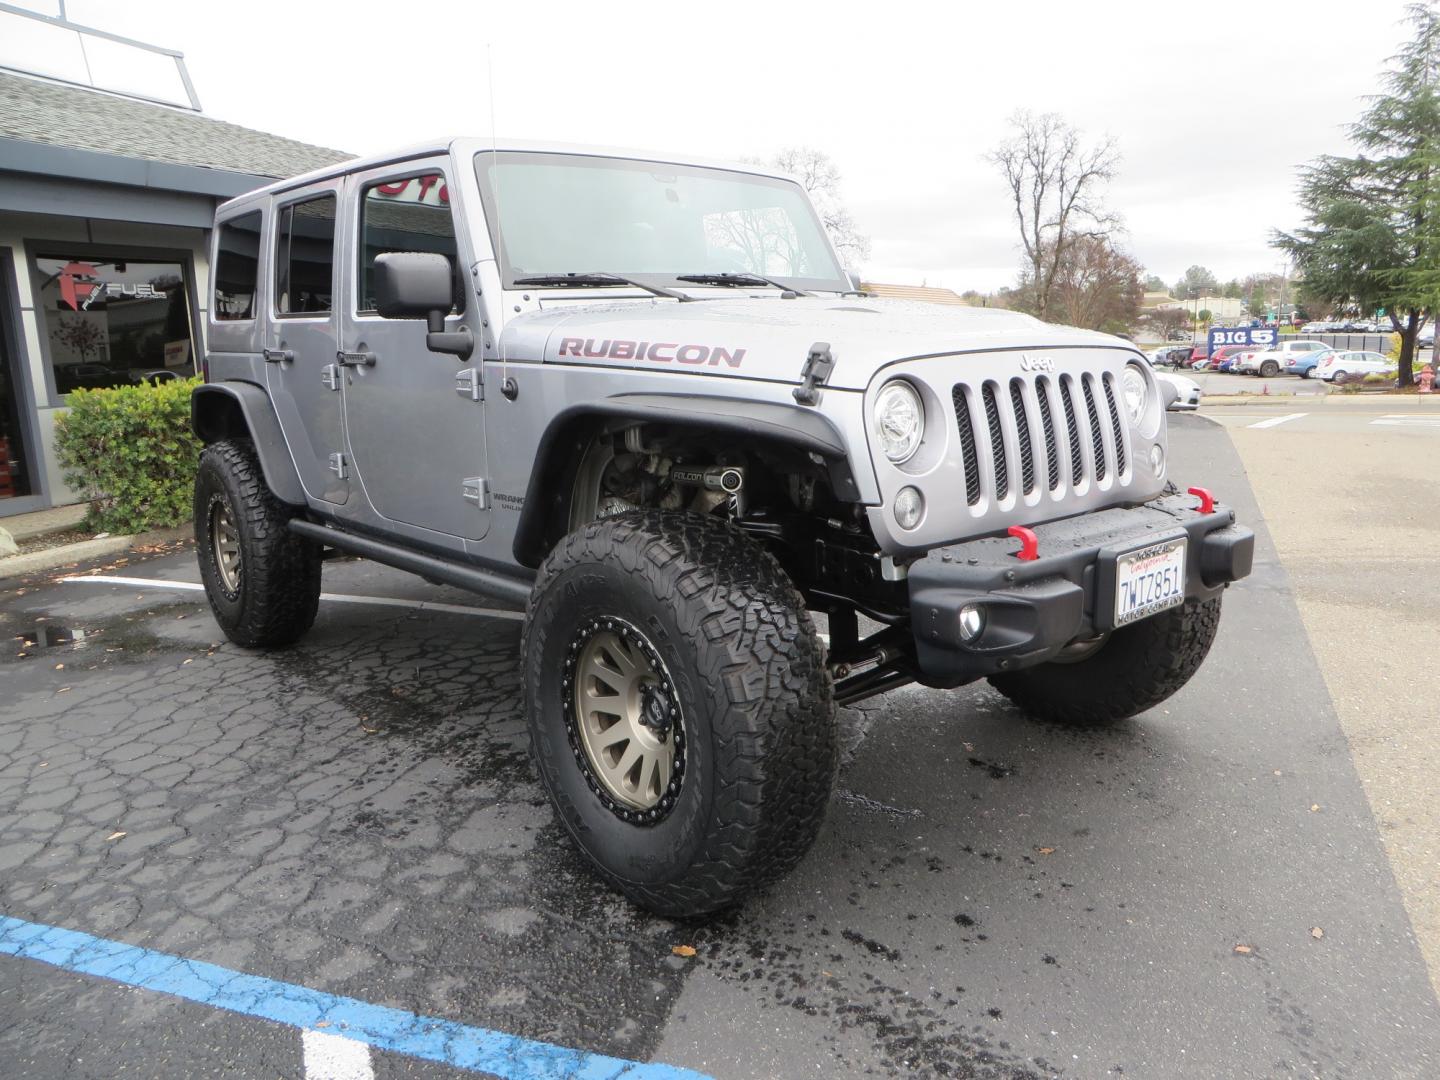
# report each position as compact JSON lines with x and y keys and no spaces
{"x":1426,"y":379}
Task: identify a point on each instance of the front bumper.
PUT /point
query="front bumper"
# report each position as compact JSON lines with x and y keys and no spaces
{"x":1035,"y":608}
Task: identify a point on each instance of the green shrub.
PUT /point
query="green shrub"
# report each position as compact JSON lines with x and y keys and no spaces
{"x":130,"y":451}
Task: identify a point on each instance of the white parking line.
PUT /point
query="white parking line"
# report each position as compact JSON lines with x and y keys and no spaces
{"x":1276,"y":421}
{"x":1407,"y":420}
{"x":334,"y":598}
{"x":334,"y":1057}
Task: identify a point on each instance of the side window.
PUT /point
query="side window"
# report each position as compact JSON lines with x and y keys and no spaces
{"x":305,"y":257}
{"x":406,"y":214}
{"x":237,"y":268}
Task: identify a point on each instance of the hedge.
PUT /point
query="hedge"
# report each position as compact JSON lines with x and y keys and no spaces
{"x":130,"y":451}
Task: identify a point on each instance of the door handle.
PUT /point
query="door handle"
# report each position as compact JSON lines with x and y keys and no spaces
{"x":279,"y":356}
{"x":355,"y":359}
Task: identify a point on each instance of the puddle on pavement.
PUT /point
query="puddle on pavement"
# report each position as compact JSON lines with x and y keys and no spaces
{"x":49,"y":636}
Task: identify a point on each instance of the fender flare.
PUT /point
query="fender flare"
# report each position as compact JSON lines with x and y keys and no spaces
{"x":229,"y":410}
{"x":566,"y":435}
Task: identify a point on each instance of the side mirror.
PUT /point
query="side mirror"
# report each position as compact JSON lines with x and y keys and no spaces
{"x":420,"y":285}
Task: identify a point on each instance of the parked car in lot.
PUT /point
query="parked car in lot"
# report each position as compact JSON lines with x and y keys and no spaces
{"x":1339,"y":364}
{"x":671,"y":467}
{"x":1426,"y":340}
{"x":1304,"y":363}
{"x":1225,"y":353}
{"x":1271,"y":362}
{"x":1187,"y":391}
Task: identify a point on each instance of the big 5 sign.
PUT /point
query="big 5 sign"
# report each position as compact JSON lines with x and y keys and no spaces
{"x":1263,"y":337}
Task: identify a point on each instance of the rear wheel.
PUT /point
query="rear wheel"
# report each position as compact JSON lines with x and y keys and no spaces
{"x":1130,"y":670}
{"x":262,"y":581}
{"x":1269,"y":369}
{"x":679,"y":708}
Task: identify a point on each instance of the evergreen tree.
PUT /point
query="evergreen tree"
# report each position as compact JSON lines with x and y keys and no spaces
{"x":1370,"y":240}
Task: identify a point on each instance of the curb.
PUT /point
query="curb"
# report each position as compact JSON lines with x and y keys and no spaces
{"x":15,"y":566}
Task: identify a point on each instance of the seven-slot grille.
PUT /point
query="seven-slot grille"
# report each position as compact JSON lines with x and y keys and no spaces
{"x":1074,"y":413}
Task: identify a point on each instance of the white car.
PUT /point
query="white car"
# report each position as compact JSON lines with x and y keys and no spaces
{"x":1353,"y":363}
{"x":1187,"y":391}
{"x":1271,"y":362}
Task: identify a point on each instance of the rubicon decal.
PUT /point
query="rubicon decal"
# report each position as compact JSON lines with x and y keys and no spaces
{"x":662,"y":352}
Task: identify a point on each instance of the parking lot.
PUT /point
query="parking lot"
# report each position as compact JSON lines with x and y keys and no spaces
{"x":354,"y":822}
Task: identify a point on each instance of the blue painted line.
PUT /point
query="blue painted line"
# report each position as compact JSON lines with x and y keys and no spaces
{"x":512,"y":1057}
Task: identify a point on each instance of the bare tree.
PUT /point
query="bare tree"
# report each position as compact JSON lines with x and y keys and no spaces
{"x":1055,"y":181}
{"x":1097,"y":286}
{"x":820,"y":176}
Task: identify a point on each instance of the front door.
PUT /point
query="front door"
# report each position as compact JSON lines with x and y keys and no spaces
{"x":414,"y":418}
{"x":302,"y":338}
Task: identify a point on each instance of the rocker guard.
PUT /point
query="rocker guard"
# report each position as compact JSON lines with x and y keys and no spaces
{"x":1035,"y":608}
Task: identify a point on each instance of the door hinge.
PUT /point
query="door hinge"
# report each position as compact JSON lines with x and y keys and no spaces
{"x":330,"y":376}
{"x":339,"y":465}
{"x":475,"y":490}
{"x":469,"y":384}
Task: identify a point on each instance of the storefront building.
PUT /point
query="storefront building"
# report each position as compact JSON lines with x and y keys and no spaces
{"x":105,"y":207}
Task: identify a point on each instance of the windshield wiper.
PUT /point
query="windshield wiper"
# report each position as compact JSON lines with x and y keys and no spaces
{"x":598,"y":280}
{"x":738,"y":281}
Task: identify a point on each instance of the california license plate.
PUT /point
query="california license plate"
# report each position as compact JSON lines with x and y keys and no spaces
{"x":1149,"y":580}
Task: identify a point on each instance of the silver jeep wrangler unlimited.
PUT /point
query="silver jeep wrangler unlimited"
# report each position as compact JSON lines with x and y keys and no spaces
{"x":641,"y":397}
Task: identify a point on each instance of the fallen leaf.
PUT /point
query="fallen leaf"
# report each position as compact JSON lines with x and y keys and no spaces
{"x":1046,"y":850}
{"x":43,"y":764}
{"x":191,"y":660}
{"x":1279,"y":773}
{"x":1244,"y":950}
{"x":1314,"y":808}
{"x":115,"y":836}
{"x":63,"y":690}
{"x":59,"y":667}
{"x":969,"y":747}
{"x":683,"y":950}
{"x":1316,"y":933}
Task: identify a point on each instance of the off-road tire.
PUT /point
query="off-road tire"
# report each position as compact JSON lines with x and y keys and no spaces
{"x":278,"y":591}
{"x":1136,"y":668}
{"x":755,"y":697}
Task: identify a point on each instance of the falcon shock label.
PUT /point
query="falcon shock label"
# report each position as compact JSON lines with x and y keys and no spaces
{"x":662,"y":352}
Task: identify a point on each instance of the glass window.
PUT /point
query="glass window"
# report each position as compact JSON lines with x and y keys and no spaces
{"x":572,"y":214}
{"x":237,"y":268}
{"x":408,"y":214}
{"x":305,"y":257}
{"x":114,"y":321}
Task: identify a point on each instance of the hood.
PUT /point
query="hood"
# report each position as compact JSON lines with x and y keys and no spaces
{"x":768,"y":337}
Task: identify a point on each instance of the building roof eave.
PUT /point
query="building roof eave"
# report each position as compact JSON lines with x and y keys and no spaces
{"x":43,"y":159}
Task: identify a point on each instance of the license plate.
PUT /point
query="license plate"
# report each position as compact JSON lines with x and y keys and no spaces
{"x":1149,"y":580}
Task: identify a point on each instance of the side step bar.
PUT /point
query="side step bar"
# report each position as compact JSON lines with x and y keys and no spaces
{"x":485,"y":582}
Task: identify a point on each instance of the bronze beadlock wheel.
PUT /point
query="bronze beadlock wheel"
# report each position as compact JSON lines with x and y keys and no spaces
{"x":225,"y":544}
{"x":623,"y":720}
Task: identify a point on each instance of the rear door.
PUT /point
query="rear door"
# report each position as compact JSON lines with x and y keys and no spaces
{"x":301,"y":338}
{"x":414,"y":418}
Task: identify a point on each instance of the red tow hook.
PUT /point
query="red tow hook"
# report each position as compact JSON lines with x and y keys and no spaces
{"x":1207,"y":501}
{"x":1029,"y":543}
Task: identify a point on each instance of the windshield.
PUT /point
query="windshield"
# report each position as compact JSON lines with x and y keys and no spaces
{"x":561,"y":213}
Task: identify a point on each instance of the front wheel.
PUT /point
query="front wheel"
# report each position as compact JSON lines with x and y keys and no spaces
{"x":679,"y":707}
{"x":262,"y":581}
{"x":1130,"y":670}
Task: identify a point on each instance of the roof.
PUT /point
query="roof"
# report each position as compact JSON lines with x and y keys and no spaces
{"x":927,"y":293}
{"x":57,"y":114}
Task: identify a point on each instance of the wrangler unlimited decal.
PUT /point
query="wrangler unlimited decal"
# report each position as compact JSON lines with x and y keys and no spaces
{"x":659,"y":351}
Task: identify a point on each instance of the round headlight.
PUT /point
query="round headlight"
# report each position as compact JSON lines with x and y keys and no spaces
{"x":1135,"y":390}
{"x":899,"y":420}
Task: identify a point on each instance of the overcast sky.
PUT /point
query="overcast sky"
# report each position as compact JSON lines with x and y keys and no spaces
{"x":1212,"y":105}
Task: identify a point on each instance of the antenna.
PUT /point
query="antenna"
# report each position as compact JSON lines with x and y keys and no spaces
{"x":505,"y":385}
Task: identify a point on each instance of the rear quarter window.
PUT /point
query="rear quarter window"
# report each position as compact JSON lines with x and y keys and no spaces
{"x":237,"y":268}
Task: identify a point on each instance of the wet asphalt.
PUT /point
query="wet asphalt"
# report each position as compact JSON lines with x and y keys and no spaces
{"x":990,"y":897}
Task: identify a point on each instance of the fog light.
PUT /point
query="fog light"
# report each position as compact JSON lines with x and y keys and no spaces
{"x":972,"y":622}
{"x":1157,"y":460}
{"x":909,"y":507}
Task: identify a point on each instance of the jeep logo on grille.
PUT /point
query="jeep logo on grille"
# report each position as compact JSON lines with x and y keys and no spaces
{"x":1036,"y":363}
